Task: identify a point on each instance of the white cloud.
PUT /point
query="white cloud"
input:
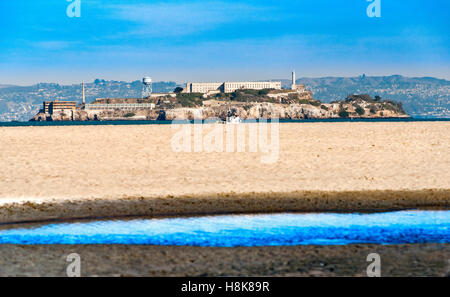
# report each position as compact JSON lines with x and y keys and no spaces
{"x":170,"y":19}
{"x":53,"y":45}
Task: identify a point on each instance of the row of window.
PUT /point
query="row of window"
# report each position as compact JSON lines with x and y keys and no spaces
{"x":120,"y":105}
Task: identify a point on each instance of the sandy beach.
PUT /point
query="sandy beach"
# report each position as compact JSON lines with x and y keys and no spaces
{"x":98,"y":171}
{"x":88,"y":171}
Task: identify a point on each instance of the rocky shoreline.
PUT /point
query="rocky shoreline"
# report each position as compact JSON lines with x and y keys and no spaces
{"x":355,"y":106}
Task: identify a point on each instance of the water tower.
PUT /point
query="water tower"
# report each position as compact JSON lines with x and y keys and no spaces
{"x":146,"y":87}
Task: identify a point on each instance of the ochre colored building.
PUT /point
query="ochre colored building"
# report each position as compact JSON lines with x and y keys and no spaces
{"x":52,"y":107}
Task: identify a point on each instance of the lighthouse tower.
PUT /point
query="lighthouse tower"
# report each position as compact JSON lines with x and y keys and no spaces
{"x":293,"y":86}
{"x":84,"y":95}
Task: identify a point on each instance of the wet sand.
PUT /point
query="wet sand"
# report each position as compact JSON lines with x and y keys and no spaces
{"x":96,"y":171}
{"x":119,"y":260}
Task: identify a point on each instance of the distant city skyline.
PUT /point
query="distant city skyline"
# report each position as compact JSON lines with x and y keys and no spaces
{"x":179,"y":40}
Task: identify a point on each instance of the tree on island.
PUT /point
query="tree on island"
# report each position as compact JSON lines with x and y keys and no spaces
{"x":178,"y":90}
{"x":343,"y":113}
{"x":359,"y":110}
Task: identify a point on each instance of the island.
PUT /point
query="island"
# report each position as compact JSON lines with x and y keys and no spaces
{"x":244,"y":103}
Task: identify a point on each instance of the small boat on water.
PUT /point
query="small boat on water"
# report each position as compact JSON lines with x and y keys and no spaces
{"x":234,"y":120}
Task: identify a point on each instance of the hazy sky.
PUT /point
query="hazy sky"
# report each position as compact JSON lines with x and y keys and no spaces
{"x":220,"y":40}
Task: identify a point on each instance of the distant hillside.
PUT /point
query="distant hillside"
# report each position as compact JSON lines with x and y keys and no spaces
{"x":421,"y":97}
{"x":21,"y":103}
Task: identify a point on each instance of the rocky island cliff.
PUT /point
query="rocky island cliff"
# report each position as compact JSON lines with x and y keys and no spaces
{"x":246,"y":104}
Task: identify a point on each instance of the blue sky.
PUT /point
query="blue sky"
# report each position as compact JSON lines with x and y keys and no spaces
{"x":220,"y":40}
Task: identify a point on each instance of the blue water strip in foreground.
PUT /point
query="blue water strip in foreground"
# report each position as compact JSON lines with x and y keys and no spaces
{"x":247,"y":230}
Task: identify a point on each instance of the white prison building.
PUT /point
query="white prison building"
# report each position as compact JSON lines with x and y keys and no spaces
{"x":229,"y":87}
